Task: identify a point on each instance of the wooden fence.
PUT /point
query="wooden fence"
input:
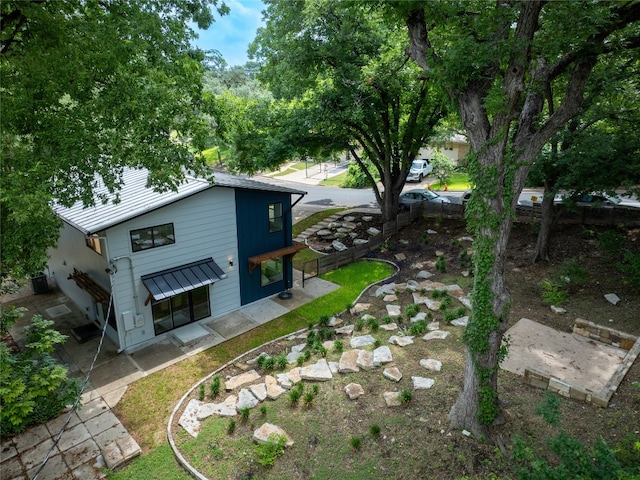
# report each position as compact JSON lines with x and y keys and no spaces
{"x":577,"y":215}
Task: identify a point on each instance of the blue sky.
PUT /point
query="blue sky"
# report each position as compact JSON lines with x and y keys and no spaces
{"x":232,"y":34}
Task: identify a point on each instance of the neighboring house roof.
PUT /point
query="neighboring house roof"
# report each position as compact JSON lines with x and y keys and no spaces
{"x":136,"y":199}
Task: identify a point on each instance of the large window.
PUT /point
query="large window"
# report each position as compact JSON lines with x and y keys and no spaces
{"x":271,"y":271}
{"x":275,"y":217}
{"x":152,"y":237}
{"x":181,"y":309}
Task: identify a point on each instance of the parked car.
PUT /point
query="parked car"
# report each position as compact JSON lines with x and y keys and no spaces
{"x":414,"y":197}
{"x":593,"y":199}
{"x":419,"y":169}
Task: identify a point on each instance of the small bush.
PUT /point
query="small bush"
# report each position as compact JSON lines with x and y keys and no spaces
{"x":201,"y":392}
{"x":231,"y":426}
{"x":244,"y":414}
{"x":412,"y":310}
{"x":300,"y":360}
{"x":270,"y":450}
{"x":387,"y":320}
{"x":269,"y":363}
{"x":215,"y":386}
{"x":359,"y":325}
{"x":377,"y":343}
{"x":441,"y":264}
{"x":326,"y":333}
{"x":315,"y":389}
{"x":610,"y":242}
{"x":307,"y":399}
{"x":553,"y":293}
{"x":324,"y":321}
{"x":630,"y":268}
{"x":435,"y":294}
{"x":263,"y":410}
{"x":355,"y":442}
{"x":418,"y":328}
{"x":572,"y":272}
{"x":405,"y":396}
{"x":294,"y":396}
{"x":338,"y":346}
{"x":373,"y":324}
{"x":453,"y":314}
{"x":261,"y":359}
{"x":280,"y":362}
{"x":374,"y":430}
{"x":306,"y":355}
{"x":312,"y":337}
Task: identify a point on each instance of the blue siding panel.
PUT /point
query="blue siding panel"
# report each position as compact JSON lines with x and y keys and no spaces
{"x":252,"y":214}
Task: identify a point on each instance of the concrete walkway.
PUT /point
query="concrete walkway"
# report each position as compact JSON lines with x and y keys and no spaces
{"x":94,"y":438}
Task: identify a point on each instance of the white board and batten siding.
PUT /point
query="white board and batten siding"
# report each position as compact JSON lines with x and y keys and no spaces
{"x":204,"y":227}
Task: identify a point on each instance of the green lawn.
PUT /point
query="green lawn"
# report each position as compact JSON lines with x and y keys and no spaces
{"x":456,"y":182}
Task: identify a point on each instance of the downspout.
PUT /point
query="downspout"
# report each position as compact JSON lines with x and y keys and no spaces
{"x":121,"y":335}
{"x":286,"y":294}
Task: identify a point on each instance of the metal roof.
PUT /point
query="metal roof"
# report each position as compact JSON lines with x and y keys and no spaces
{"x":136,"y":199}
{"x":174,"y":281}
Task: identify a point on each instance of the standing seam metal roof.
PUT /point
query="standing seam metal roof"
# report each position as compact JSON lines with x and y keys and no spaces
{"x":136,"y":199}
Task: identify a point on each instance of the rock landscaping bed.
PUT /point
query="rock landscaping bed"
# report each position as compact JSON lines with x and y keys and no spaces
{"x":366,"y":394}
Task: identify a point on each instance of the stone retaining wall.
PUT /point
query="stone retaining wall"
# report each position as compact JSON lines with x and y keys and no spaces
{"x":602,"y":334}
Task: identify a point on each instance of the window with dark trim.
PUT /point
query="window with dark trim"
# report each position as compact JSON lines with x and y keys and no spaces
{"x":271,"y":271}
{"x":152,"y":237}
{"x":180,"y":309}
{"x":275,"y":217}
{"x":93,"y":242}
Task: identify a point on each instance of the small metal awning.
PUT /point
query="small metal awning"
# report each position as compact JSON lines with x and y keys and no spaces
{"x":174,"y":281}
{"x":281,"y":252}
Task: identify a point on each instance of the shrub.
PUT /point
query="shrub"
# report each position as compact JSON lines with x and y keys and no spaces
{"x":630,"y":268}
{"x":307,"y":399}
{"x":553,"y":293}
{"x":572,"y":272}
{"x":263,"y":410}
{"x":572,"y":458}
{"x":33,"y":387}
{"x":269,"y":363}
{"x":359,"y":325}
{"x":377,"y":342}
{"x":610,"y":242}
{"x":244,"y":414}
{"x":280,"y":362}
{"x":270,"y":450}
{"x":324,"y":321}
{"x":294,"y":396}
{"x":374,"y":430}
{"x":355,"y":442}
{"x":373,"y":324}
{"x":214,"y":388}
{"x":405,"y":396}
{"x":300,"y":359}
{"x":412,"y":310}
{"x":441,"y":264}
{"x":201,"y":392}
{"x":418,"y":328}
{"x":387,"y":320}
{"x":231,"y":426}
{"x":338,"y":346}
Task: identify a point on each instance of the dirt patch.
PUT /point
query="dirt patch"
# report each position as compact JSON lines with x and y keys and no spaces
{"x":413,"y":440}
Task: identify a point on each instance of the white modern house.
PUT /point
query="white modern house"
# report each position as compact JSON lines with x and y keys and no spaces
{"x":163,"y":260}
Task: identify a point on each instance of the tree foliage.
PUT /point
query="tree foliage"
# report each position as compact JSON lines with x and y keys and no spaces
{"x":89,"y":88}
{"x":33,"y":386}
{"x":342,"y":83}
{"x":497,"y":61}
